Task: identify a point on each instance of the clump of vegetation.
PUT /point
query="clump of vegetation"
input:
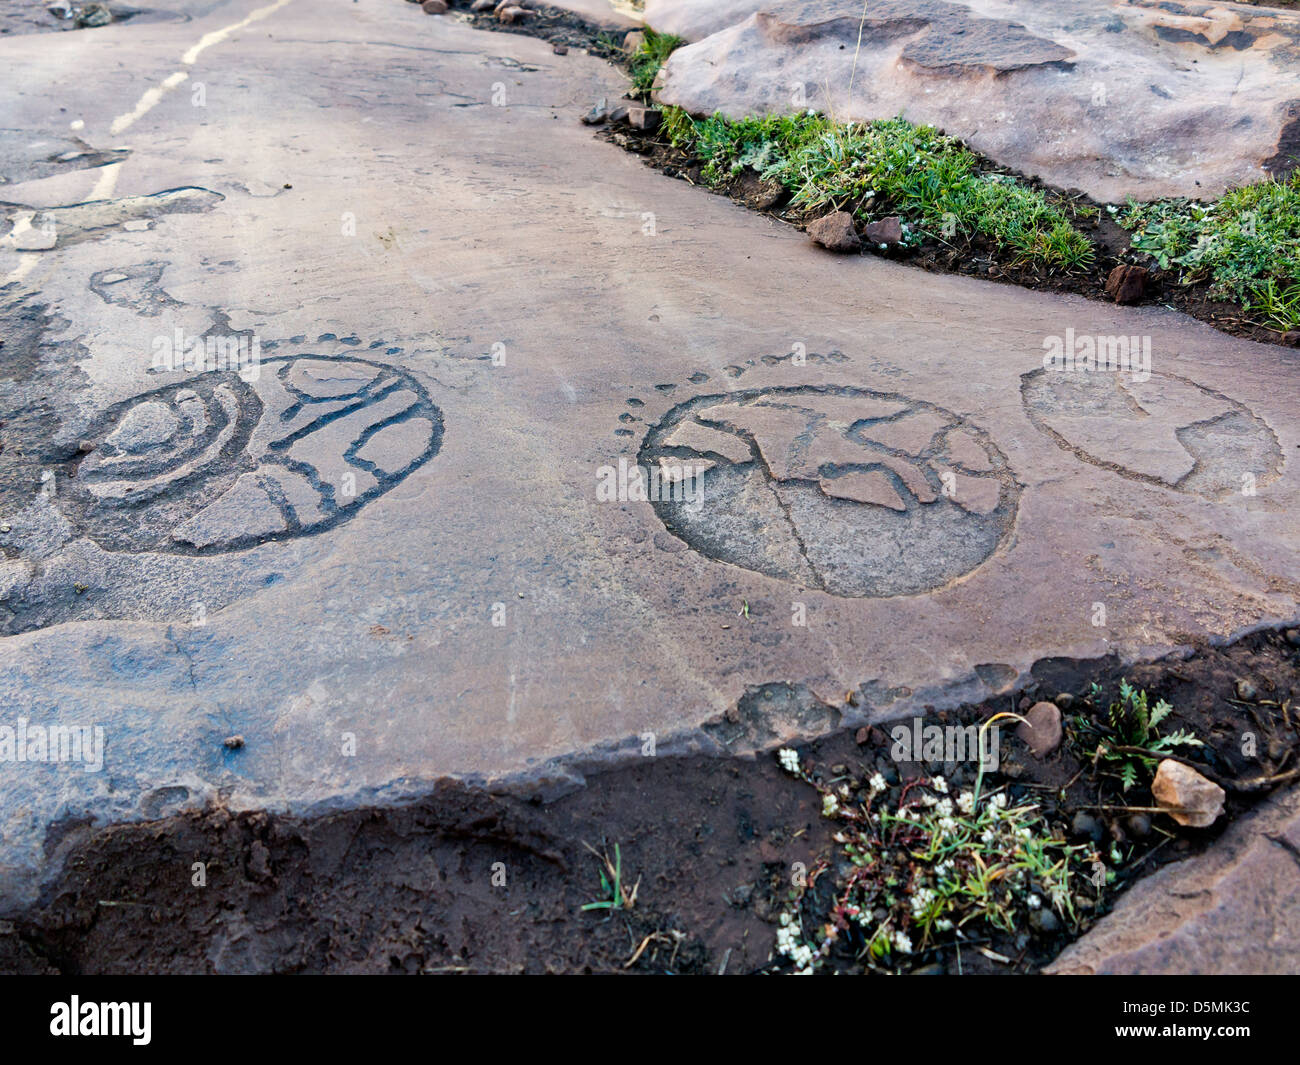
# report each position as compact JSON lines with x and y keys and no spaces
{"x":1246,"y":244}
{"x":645,"y":62}
{"x":887,"y":167}
{"x":931,"y":869}
{"x":1132,"y":740}
{"x":614,"y":894}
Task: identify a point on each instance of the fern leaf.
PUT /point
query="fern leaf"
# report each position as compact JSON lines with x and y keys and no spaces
{"x":1162,"y":711}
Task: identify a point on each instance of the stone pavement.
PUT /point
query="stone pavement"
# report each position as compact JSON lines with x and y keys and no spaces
{"x":395,"y":531}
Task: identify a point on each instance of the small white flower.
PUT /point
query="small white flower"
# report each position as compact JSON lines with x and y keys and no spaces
{"x":877,"y":784}
{"x":1034,"y":902}
{"x":965,"y":802}
{"x":830,"y":805}
{"x":789,"y":760}
{"x":902,"y":941}
{"x":940,"y":785}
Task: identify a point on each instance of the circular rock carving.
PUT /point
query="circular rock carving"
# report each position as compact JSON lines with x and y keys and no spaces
{"x":855,"y":492}
{"x":1165,"y":431}
{"x":217,"y":463}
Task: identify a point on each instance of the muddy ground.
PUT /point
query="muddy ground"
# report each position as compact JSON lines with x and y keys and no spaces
{"x":467,"y":881}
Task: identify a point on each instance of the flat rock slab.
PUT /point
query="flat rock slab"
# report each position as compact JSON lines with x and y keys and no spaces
{"x":1233,"y":909}
{"x":414,"y":535}
{"x":606,"y":13}
{"x":1141,"y":98}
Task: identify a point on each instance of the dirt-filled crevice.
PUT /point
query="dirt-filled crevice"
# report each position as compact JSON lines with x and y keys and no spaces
{"x":709,"y":851}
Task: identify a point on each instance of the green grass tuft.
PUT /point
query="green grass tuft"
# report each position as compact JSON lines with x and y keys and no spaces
{"x":886,"y":167}
{"x":646,"y":60}
{"x":1246,"y":244}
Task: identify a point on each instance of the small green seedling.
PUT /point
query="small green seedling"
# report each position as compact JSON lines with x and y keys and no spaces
{"x":615,"y":895}
{"x":1133,"y":740}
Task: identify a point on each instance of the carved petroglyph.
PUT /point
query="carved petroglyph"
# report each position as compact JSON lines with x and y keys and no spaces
{"x":1165,"y":431}
{"x":216,"y":463}
{"x":858,"y":493}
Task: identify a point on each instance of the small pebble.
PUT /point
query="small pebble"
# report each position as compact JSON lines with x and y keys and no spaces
{"x":1246,"y":691}
{"x":1139,"y":826}
{"x":234,"y":742}
{"x":1084,"y":824}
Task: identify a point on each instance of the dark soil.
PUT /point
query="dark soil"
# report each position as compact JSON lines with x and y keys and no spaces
{"x":561,"y":28}
{"x":708,"y":844}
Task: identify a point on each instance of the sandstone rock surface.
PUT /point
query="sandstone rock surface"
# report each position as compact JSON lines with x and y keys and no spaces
{"x":1134,"y":97}
{"x":1186,"y":795}
{"x":1233,"y":909}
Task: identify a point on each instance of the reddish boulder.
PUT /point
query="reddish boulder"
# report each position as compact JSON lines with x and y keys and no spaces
{"x":887,"y":232}
{"x":835,"y":232}
{"x":1127,"y":283}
